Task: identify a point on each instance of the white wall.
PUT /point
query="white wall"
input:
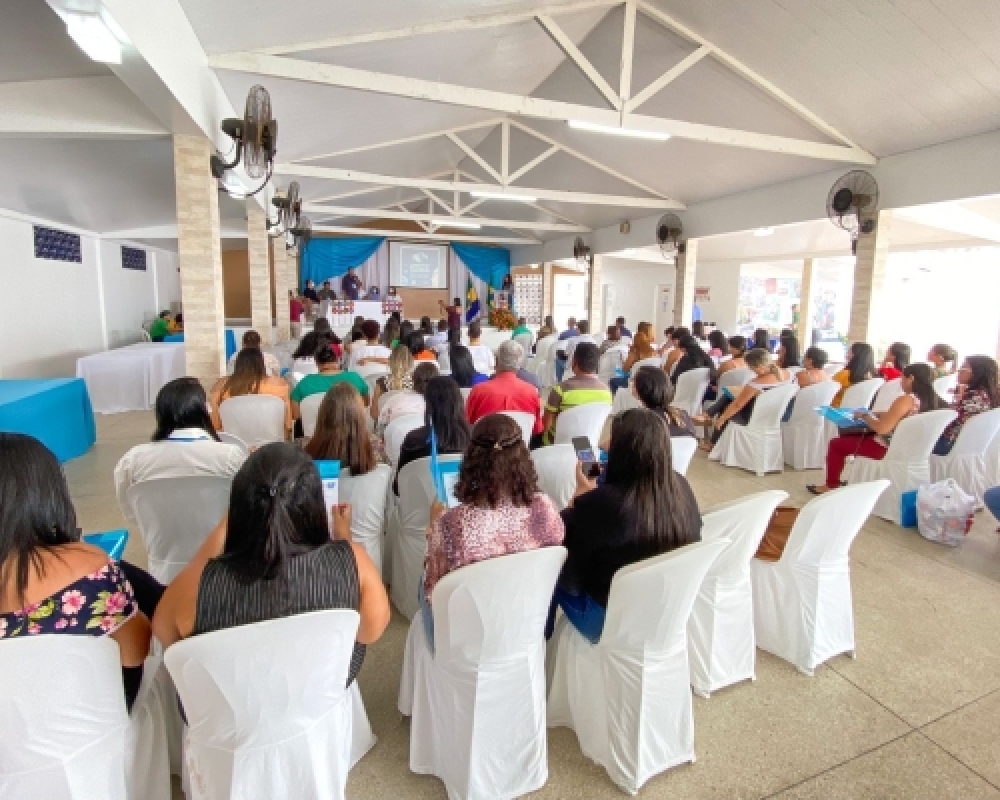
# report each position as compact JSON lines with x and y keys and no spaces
{"x":723,"y":282}
{"x":634,"y":284}
{"x":54,"y":312}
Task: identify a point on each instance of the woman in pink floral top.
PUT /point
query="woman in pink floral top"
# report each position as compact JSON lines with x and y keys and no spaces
{"x":501,"y":512}
{"x":977,"y":392}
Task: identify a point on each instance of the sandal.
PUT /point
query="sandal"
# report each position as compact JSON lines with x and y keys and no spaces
{"x":812,"y":488}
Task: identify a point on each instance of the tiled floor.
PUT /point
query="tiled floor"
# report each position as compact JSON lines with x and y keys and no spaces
{"x":916,"y":716}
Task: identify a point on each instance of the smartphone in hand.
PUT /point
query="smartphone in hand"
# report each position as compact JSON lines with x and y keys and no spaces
{"x":587,"y":456}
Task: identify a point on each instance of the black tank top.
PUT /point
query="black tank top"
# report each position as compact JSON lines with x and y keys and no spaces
{"x":323,"y":578}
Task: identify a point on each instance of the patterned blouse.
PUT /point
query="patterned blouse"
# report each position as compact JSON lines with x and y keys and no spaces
{"x":974,"y":401}
{"x":94,"y":605}
{"x":467,"y":534}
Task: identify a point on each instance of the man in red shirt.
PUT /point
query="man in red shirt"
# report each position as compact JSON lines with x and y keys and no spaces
{"x":505,"y":391}
{"x":454,"y":312}
{"x":295,"y":309}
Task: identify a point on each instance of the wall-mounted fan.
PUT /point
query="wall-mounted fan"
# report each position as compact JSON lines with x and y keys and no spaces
{"x":289,"y":207}
{"x":301,"y":233}
{"x":581,"y":252}
{"x":256,"y":138}
{"x":669,"y":230}
{"x":853,"y":204}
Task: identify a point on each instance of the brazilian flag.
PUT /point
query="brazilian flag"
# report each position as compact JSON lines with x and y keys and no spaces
{"x":471,"y":302}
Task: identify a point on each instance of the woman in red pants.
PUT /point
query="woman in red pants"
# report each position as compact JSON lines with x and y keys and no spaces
{"x":918,"y":385}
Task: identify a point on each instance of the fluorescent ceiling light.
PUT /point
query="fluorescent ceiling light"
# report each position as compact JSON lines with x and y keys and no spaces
{"x":450,"y":223}
{"x":764,"y":232}
{"x":593,"y":127}
{"x":519,"y":198}
{"x":94,"y":37}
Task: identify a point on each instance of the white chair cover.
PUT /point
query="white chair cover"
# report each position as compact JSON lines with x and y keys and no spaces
{"x":304,"y":366}
{"x":556,"y":468}
{"x":257,"y":419}
{"x":545,"y":354}
{"x":611,"y":362}
{"x":233,"y":439}
{"x":64,"y":723}
{"x":586,"y":420}
{"x":887,"y":394}
{"x":409,"y":540}
{"x":720,"y":631}
{"x":374,"y":371}
{"x":860,"y":395}
{"x":966,"y":462}
{"x":736,"y":377}
{"x":478,"y":701}
{"x":682,"y":450}
{"x":175,"y":515}
{"x":624,"y":400}
{"x":369,"y":496}
{"x":802,"y":602}
{"x":756,"y":446}
{"x":309,"y":410}
{"x":907,"y":463}
{"x":690,"y":390}
{"x":652,"y":361}
{"x":629,"y":696}
{"x":525,"y":340}
{"x":992,"y":470}
{"x":396,"y":431}
{"x":525,"y":421}
{"x":944,"y":385}
{"x":803,"y":436}
{"x":282,"y":724}
{"x":147,"y":747}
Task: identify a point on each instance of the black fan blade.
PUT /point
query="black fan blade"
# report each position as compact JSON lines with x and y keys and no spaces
{"x":843,"y":200}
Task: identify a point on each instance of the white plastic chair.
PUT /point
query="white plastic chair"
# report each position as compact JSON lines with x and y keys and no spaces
{"x":148,"y":742}
{"x":906,"y":464}
{"x":611,"y":362}
{"x":409,"y":537}
{"x":887,"y":394}
{"x":624,"y":400}
{"x":736,"y":377}
{"x":682,"y":450}
{"x":64,"y":730}
{"x":309,"y":411}
{"x":230,"y":438}
{"x":967,"y":461}
{"x":944,"y":385}
{"x":586,"y":420}
{"x":690,"y":390}
{"x":374,"y":371}
{"x":802,"y":605}
{"x":545,"y":355}
{"x":525,"y":340}
{"x":175,"y":515}
{"x":396,"y":431}
{"x":284,"y":724}
{"x":556,"y":468}
{"x":756,"y":446}
{"x":652,"y":361}
{"x":803,"y":436}
{"x":628,"y":698}
{"x":257,"y":419}
{"x":478,"y":701}
{"x":304,"y":366}
{"x":720,"y":631}
{"x":525,"y":421}
{"x":860,"y":395}
{"x":368,"y":495}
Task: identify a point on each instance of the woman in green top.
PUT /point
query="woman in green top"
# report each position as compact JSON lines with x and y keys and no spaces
{"x":160,"y":327}
{"x":522,"y":327}
{"x":329,"y":374}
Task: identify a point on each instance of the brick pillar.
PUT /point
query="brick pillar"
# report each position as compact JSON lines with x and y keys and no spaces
{"x":292,"y":272}
{"x":547,"y":279}
{"x":687,"y":266}
{"x":869,"y":300}
{"x":281,"y":310}
{"x":804,"y":328}
{"x":260,"y":271}
{"x":200,"y":256}
{"x":595,"y":311}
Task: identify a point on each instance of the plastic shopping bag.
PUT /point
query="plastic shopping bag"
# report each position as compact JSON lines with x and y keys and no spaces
{"x":944,"y":512}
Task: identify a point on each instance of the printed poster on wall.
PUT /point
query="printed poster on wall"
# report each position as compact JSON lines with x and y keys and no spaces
{"x":666,"y":306}
{"x":703,"y":294}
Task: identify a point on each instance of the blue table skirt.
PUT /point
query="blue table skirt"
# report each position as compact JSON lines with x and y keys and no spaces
{"x":230,"y":341}
{"x":56,"y":412}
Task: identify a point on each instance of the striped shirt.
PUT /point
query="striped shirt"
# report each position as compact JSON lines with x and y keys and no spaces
{"x":578,"y":390}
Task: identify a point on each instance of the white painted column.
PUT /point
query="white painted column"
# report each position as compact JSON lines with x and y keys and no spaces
{"x":687,"y":267}
{"x":869,"y":300}
{"x":804,"y":328}
{"x":260,"y":271}
{"x":595,"y":311}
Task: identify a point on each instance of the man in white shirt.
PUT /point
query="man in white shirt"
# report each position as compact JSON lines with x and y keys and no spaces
{"x":583,"y":326}
{"x":483,"y":358}
{"x":371,"y":351}
{"x":185,"y":445}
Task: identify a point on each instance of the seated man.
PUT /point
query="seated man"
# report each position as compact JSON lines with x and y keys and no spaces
{"x":505,"y":391}
{"x":583,"y":328}
{"x":435,"y":340}
{"x":481,"y":354}
{"x":560,"y":351}
{"x":624,"y":332}
{"x":581,"y":388}
{"x":160,"y":327}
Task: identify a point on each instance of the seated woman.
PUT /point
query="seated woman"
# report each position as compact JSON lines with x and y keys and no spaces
{"x":644,"y":509}
{"x":767,"y":375}
{"x":674,"y":353}
{"x":612,"y":338}
{"x":445,"y":414}
{"x":502,"y":510}
{"x":399,"y":378}
{"x":977,"y":392}
{"x":463,"y":368}
{"x":812,"y":371}
{"x":788,"y":351}
{"x":329,"y":375}
{"x":737,"y":355}
{"x":860,"y":367}
{"x":370,"y":351}
{"x":897,"y":358}
{"x":407,"y":401}
{"x":718,"y":346}
{"x":693,"y":357}
{"x":184,"y":444}
{"x":50,"y":581}
{"x":390,"y":335}
{"x":761,"y":340}
{"x":653,"y":389}
{"x":641,"y":348}
{"x":275,"y":556}
{"x":418,"y":347}
{"x":342,"y":432}
{"x":271,"y":363}
{"x":310,"y":343}
{"x":944,"y":359}
{"x":249,"y":377}
{"x":919,"y":396}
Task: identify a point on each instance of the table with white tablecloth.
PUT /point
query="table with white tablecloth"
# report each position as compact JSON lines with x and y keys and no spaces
{"x":129,"y":378}
{"x":368,"y":309}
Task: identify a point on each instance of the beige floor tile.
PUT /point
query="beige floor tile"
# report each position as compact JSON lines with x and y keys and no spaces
{"x":911,"y":768}
{"x":972,"y":735}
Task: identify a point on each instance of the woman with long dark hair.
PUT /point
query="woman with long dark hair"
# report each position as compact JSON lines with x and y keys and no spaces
{"x":737,"y":355}
{"x":977,"y":392}
{"x":788,"y":351}
{"x":463,"y":368}
{"x":919,"y":396}
{"x":274,"y":556}
{"x":644,"y":509}
{"x":444,"y":411}
{"x":897,"y":358}
{"x":342,"y":432}
{"x":249,"y":377}
{"x":860,"y":367}
{"x":671,"y":350}
{"x":693,"y":357}
{"x":761,"y":340}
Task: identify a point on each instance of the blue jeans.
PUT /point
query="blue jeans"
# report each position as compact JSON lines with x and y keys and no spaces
{"x":617,"y":383}
{"x":991,"y":499}
{"x":943,"y":446}
{"x":583,"y":612}
{"x":560,"y":368}
{"x":426,"y":614}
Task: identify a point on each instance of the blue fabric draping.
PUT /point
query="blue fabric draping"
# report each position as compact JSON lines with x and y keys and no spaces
{"x":325,"y":258}
{"x":56,"y":412}
{"x":230,"y":341}
{"x":489,"y":264}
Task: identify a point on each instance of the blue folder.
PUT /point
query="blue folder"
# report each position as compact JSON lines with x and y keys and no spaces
{"x":842,"y":417}
{"x":111,"y":542}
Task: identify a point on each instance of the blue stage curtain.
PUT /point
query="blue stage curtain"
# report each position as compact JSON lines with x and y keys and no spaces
{"x":325,"y":258}
{"x":489,"y":264}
